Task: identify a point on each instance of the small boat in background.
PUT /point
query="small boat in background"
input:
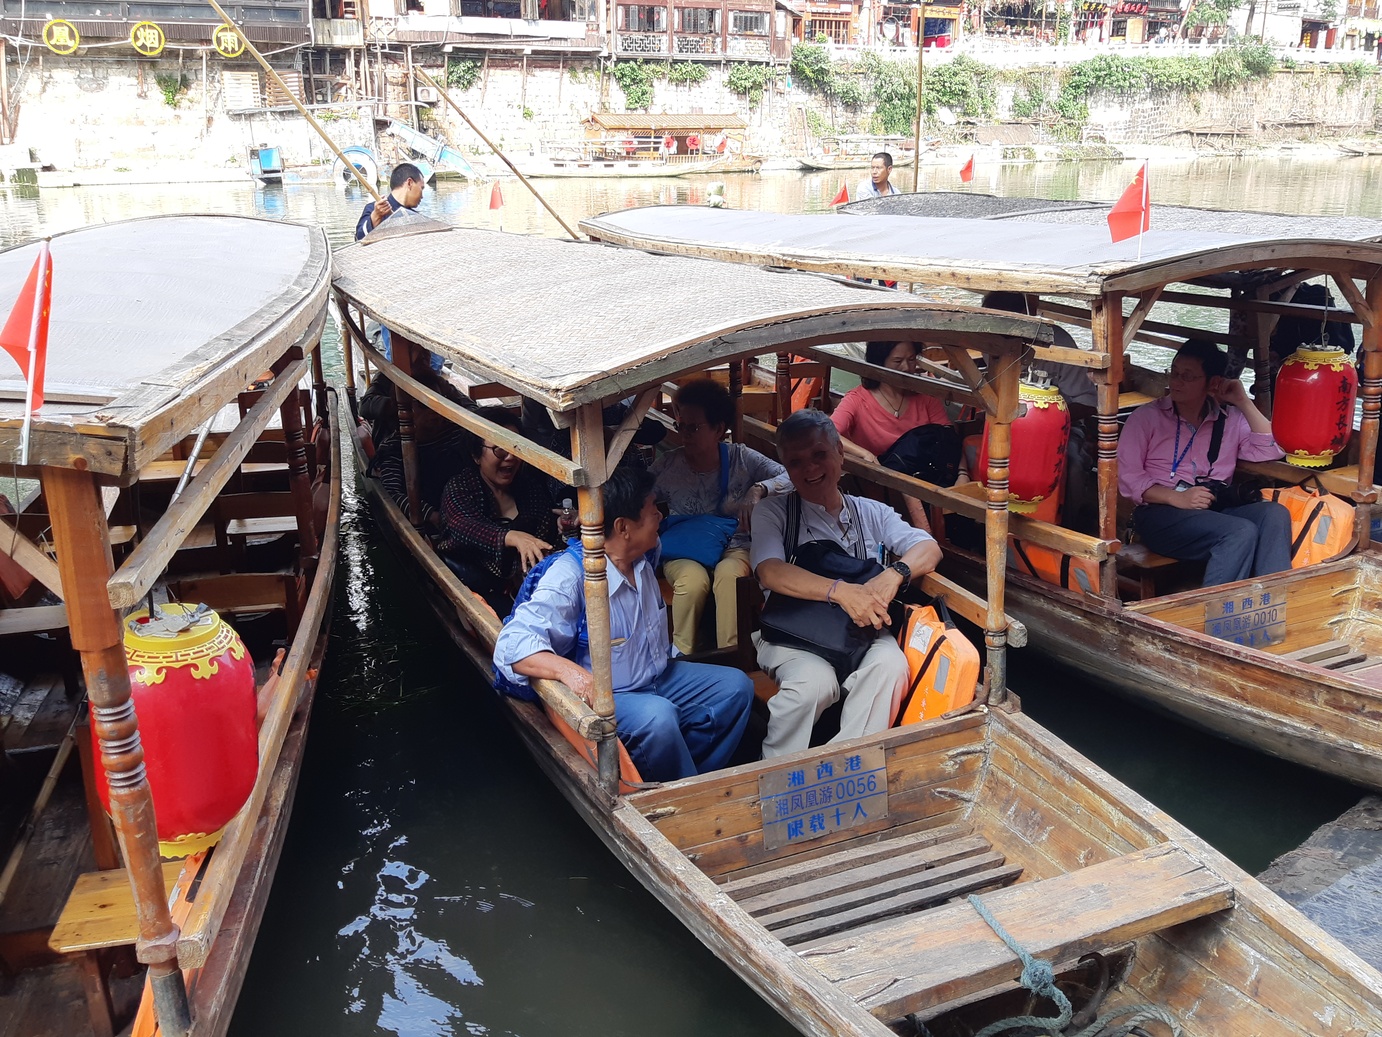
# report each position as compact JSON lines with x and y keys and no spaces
{"x":857,"y":151}
{"x":266,"y":165}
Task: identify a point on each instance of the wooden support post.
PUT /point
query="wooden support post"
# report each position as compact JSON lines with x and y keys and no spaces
{"x":588,"y":450}
{"x":347,"y":350}
{"x":299,"y":478}
{"x":782,"y":385}
{"x":1106,"y":327}
{"x":403,"y":360}
{"x":996,"y":527}
{"x":319,"y":385}
{"x":85,"y":563}
{"x":736,"y":395}
{"x":1262,"y":354}
{"x":1365,"y":496}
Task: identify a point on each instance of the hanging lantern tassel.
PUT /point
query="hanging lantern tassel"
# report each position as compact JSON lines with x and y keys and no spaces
{"x":1036,"y":469}
{"x":1312,"y":410}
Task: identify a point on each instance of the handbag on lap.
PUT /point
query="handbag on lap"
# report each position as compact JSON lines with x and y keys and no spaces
{"x":701,"y":538}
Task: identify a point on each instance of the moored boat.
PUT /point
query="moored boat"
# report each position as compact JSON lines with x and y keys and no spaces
{"x":859,"y":926}
{"x":856,"y":152}
{"x":1310,"y":692}
{"x":185,"y":455}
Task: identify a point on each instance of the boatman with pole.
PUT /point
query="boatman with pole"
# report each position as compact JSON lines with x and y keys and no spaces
{"x":405,"y":192}
{"x":877,"y":184}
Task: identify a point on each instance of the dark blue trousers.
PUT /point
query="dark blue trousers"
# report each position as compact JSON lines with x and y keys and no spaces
{"x":1252,"y":540}
{"x":686,"y":722}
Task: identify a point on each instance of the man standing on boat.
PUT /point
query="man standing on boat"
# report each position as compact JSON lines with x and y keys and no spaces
{"x":676,"y":718}
{"x":405,"y":192}
{"x":877,"y":184}
{"x":809,"y":447}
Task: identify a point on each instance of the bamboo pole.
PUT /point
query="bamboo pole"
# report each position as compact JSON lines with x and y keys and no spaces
{"x":254,"y":53}
{"x":916,"y":136}
{"x":441,"y":91}
{"x":84,"y":558}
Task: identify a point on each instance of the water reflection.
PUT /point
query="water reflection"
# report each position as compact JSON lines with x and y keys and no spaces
{"x":433,"y":881}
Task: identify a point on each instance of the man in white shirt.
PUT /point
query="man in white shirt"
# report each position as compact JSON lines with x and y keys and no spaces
{"x":877,"y":185}
{"x":808,"y":446}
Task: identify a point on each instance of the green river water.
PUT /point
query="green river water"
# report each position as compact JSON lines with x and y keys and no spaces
{"x":434,"y":882}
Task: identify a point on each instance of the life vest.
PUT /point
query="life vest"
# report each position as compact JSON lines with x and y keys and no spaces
{"x":1322,"y":525}
{"x":942,"y":664}
{"x":1080,"y":575}
{"x":805,"y":390}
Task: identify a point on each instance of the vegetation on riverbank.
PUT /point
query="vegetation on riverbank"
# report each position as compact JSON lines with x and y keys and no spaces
{"x":970,"y":89}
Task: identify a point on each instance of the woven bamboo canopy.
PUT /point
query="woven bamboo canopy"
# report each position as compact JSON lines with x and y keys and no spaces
{"x":570,"y":323}
{"x":1023,"y":245}
{"x":155,"y":325}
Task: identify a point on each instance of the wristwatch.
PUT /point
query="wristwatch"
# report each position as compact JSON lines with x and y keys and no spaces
{"x":904,"y":570}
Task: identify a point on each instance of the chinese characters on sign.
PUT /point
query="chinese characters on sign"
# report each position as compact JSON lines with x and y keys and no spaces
{"x":808,"y":800}
{"x":61,"y":36}
{"x":228,"y":42}
{"x":1253,"y":617}
{"x":147,"y":39}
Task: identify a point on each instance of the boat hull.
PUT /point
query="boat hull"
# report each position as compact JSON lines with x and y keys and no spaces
{"x":1313,"y":717}
{"x":828,"y":163}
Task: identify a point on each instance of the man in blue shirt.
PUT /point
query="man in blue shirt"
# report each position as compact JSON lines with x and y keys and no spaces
{"x":877,"y":185}
{"x":405,"y":191}
{"x":676,"y":718}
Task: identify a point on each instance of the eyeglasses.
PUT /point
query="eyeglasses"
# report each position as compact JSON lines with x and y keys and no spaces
{"x":499,"y":452}
{"x":1185,"y":376}
{"x":690,"y":428}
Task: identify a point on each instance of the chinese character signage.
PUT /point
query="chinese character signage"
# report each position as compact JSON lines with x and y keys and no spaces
{"x":61,"y":36}
{"x":228,"y":42}
{"x":808,"y":800}
{"x":1253,"y":617}
{"x":147,"y":39}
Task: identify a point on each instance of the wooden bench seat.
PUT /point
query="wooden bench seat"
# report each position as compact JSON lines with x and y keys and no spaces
{"x":950,"y":955}
{"x":99,"y":914}
{"x":268,"y":525}
{"x":171,"y":471}
{"x":1145,"y":569}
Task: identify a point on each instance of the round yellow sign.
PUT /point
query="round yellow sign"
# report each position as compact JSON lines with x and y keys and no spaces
{"x":147,"y":39}
{"x":61,"y":36}
{"x":228,"y":42}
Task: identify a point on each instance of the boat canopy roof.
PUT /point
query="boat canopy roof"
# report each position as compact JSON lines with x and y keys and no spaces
{"x":570,"y":323}
{"x":615,"y":121}
{"x":155,"y":325}
{"x":987,"y":244}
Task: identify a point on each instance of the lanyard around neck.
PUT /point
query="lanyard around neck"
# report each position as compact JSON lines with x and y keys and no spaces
{"x":1178,"y":455}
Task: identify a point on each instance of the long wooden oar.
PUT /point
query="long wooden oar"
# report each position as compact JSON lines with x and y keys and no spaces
{"x":254,"y":52}
{"x":441,"y":91}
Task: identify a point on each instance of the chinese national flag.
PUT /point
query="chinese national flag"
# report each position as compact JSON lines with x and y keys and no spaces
{"x":967,"y":170}
{"x":1131,"y":214}
{"x":496,"y":197}
{"x":842,"y":197}
{"x":19,"y":328}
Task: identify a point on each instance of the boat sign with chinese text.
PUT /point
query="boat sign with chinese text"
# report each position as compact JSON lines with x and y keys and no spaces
{"x":1254,"y":617}
{"x":809,"y":800}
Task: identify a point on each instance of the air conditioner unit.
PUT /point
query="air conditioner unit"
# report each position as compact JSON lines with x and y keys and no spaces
{"x":428,"y":94}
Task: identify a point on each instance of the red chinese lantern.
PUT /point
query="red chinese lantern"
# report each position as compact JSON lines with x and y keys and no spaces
{"x":192,"y":682}
{"x":1036,"y":465}
{"x":1312,"y":414}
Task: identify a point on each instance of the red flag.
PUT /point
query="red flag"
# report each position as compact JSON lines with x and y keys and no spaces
{"x":496,"y":197}
{"x":1131,"y":214}
{"x":24,"y":328}
{"x":842,"y":197}
{"x":967,"y":170}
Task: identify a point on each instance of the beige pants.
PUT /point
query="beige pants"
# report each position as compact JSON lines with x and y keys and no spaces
{"x":692,"y":584}
{"x":807,"y":686}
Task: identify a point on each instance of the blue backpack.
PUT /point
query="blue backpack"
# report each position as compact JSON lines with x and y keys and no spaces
{"x":525,"y":591}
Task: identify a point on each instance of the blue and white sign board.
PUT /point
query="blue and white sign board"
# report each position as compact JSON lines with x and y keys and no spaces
{"x":1254,"y":617}
{"x":812,"y":798}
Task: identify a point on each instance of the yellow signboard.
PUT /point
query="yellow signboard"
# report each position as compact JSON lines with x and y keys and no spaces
{"x":61,"y":36}
{"x":147,"y":39}
{"x":228,"y":42}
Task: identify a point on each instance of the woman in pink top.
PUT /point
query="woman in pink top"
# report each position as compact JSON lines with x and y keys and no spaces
{"x":874,"y":416}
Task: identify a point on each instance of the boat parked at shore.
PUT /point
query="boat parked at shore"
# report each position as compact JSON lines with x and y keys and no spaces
{"x":856,"y":152}
{"x":861,"y":929}
{"x":172,"y":507}
{"x":1314,"y":693}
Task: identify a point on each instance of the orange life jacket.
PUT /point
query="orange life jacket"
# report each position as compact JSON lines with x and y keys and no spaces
{"x":1322,"y":525}
{"x":1080,"y":575}
{"x":942,"y":664}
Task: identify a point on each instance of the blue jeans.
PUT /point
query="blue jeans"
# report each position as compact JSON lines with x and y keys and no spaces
{"x":686,"y":722}
{"x":1252,"y":540}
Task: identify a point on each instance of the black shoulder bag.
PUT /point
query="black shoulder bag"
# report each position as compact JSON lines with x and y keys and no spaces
{"x":821,"y":627}
{"x":1226,"y":494}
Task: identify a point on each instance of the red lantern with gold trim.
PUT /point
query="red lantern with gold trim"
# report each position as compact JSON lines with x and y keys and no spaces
{"x":1036,"y":465}
{"x":1312,"y":411}
{"x":192,"y":681}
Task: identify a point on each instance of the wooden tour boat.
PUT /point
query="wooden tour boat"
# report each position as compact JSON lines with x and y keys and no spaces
{"x":861,"y":929}
{"x":167,"y":464}
{"x":1312,"y":695}
{"x":856,"y":152}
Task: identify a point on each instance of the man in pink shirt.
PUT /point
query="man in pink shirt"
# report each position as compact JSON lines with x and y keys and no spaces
{"x":1198,"y":432}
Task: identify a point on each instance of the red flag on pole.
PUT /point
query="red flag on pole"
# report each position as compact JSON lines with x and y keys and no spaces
{"x":842,"y":197}
{"x":25,"y":335}
{"x":496,"y":197}
{"x":967,"y":170}
{"x":1131,"y":214}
